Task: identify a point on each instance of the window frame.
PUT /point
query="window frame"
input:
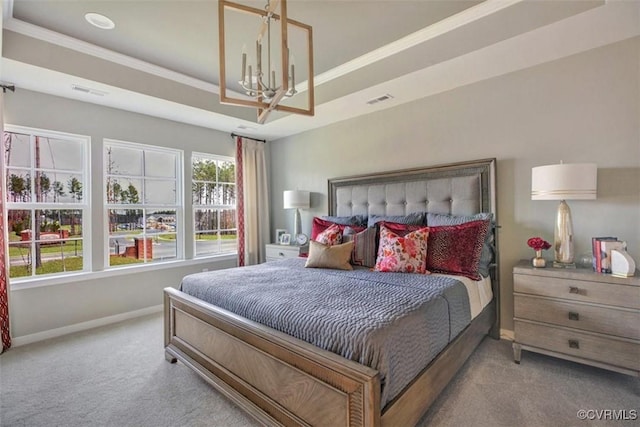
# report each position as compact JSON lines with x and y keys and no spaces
{"x":84,"y":206}
{"x":195,"y":207}
{"x":179,"y":205}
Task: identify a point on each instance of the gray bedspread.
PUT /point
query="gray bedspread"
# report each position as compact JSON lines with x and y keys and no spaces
{"x":395,"y":323}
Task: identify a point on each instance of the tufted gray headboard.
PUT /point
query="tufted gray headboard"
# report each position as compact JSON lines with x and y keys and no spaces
{"x":463,"y":188}
{"x":460,"y":188}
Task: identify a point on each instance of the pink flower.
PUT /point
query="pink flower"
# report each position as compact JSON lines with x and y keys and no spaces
{"x":537,"y":244}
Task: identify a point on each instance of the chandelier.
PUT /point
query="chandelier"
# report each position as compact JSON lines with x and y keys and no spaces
{"x":268,"y":75}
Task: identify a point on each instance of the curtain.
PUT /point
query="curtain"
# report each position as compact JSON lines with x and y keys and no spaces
{"x":4,"y":285}
{"x":252,"y":201}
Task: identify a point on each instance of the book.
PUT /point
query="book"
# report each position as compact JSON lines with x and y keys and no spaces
{"x":596,"y":243}
{"x":606,"y":247}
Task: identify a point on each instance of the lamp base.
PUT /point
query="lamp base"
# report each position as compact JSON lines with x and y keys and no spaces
{"x":557,"y":264}
{"x":563,"y":236}
{"x":296,"y":223}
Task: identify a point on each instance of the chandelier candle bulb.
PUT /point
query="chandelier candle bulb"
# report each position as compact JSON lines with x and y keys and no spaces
{"x":259,"y":58}
{"x":250,"y":81}
{"x":244,"y":63}
{"x":293,"y":74}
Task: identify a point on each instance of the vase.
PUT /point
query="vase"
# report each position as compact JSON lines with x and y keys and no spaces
{"x":538,"y":261}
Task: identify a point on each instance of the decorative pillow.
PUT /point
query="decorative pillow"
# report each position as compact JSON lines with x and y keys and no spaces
{"x":400,"y":229}
{"x":364,"y":246}
{"x":331,"y":236}
{"x":456,"y":249}
{"x":358,"y":220}
{"x":486,"y":256}
{"x":319,"y":225}
{"x":416,"y":218}
{"x":402,"y":254}
{"x":324,"y":256}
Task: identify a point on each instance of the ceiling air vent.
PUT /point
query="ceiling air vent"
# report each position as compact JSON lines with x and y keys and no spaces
{"x":382,"y":98}
{"x":88,"y":90}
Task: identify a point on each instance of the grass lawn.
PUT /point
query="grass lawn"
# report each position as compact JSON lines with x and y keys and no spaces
{"x":49,"y":267}
{"x":120,"y":260}
{"x":215,"y":237}
{"x":71,"y":263}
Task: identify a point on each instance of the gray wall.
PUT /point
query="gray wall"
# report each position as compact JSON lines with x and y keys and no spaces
{"x":38,"y":309}
{"x":583,"y":108}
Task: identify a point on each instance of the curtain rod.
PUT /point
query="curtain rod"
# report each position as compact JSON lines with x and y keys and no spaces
{"x":233,"y":135}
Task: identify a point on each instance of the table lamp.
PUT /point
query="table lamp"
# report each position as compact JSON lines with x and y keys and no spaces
{"x":297,"y":199}
{"x":566,"y":181}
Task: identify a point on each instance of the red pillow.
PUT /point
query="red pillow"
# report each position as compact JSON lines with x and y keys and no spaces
{"x":400,"y":229}
{"x":456,"y":249}
{"x":319,"y":225}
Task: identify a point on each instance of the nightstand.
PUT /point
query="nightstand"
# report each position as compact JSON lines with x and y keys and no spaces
{"x":578,"y":315}
{"x":275,"y":252}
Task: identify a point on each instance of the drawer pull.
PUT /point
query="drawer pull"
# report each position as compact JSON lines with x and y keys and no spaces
{"x":281,"y":254}
{"x":574,"y":316}
{"x":574,"y":344}
{"x":574,"y":290}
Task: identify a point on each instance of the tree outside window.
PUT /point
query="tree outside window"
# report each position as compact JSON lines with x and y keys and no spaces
{"x":142,"y":192}
{"x":214,"y":204}
{"x":46,"y":208}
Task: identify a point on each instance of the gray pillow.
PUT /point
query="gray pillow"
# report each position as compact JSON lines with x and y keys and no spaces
{"x":416,"y":218}
{"x":486,"y":256}
{"x":359,"y":220}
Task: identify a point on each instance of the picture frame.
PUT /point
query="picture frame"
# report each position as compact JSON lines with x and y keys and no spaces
{"x":285,"y":239}
{"x":279,"y":233}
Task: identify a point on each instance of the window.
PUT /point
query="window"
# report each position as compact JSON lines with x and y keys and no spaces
{"x":214,"y":204}
{"x":144,"y":203}
{"x":46,"y":194}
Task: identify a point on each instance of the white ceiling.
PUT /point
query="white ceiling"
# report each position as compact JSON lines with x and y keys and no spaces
{"x":161,"y":59}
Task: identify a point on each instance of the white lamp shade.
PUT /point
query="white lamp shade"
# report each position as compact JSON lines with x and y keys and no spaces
{"x":297,"y":199}
{"x":566,"y":181}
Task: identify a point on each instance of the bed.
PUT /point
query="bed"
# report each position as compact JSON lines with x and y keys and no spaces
{"x":283,"y":380}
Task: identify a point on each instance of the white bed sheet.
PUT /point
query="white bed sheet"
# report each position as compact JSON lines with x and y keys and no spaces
{"x":480,"y":293}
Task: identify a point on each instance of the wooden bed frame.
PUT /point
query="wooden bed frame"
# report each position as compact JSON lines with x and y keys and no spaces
{"x":281,"y":380}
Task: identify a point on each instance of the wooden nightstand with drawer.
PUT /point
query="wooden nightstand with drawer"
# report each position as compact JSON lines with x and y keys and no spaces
{"x":578,"y":315}
{"x":275,"y":252}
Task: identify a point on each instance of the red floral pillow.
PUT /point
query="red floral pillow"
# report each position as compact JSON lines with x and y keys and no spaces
{"x":331,"y":236}
{"x":456,"y":249}
{"x":402,"y":254}
{"x":319,"y":225}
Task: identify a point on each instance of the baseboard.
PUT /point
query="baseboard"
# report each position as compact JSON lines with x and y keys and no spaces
{"x":53,"y":333}
{"x":506,"y":334}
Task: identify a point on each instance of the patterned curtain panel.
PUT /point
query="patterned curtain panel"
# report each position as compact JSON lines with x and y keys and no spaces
{"x":4,"y":286}
{"x":4,"y":291}
{"x":240,"y":201}
{"x":252,"y":202}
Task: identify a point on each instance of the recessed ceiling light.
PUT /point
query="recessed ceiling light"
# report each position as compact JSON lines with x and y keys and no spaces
{"x":99,"y":21}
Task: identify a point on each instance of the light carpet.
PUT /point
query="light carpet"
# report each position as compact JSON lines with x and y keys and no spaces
{"x":117,"y":376}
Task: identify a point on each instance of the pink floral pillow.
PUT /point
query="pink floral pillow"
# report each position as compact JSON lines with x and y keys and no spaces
{"x":406,"y":254}
{"x":331,"y":236}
